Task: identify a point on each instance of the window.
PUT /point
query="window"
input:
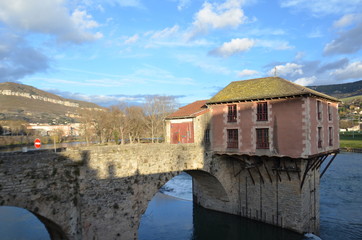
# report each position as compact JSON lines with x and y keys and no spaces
{"x":233,"y":138}
{"x":330,"y":136}
{"x":262,"y":138}
{"x":207,"y":136}
{"x":319,"y":110}
{"x":329,"y":112}
{"x":262,"y":111}
{"x":232,"y":113}
{"x":319,"y":137}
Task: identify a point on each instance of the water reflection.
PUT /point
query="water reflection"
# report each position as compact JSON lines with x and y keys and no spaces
{"x":20,"y":224}
{"x":175,"y":219}
{"x":216,"y":225}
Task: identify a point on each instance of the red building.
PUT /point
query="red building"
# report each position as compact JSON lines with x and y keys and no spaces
{"x":264,"y":117}
{"x":186,"y":125}
{"x":273,"y":117}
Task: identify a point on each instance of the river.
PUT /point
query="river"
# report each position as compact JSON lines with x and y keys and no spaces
{"x":171,"y":214}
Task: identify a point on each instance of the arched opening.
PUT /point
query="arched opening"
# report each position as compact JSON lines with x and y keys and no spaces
{"x":19,"y":223}
{"x":170,"y":213}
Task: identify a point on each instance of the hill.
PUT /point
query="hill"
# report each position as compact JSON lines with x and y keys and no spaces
{"x":23,"y":102}
{"x":344,"y":90}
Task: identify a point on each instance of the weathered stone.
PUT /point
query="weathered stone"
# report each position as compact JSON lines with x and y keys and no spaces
{"x":102,"y":192}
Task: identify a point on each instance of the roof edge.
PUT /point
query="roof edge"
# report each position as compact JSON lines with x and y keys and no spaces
{"x":274,"y":98}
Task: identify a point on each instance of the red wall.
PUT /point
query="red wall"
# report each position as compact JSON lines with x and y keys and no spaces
{"x":292,"y":125}
{"x":182,"y":132}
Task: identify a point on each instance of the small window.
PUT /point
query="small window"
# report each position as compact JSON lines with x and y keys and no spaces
{"x":330,"y":134}
{"x":319,"y":137}
{"x":233,"y":138}
{"x":262,"y":138}
{"x":207,"y":136}
{"x":262,"y":111}
{"x":319,"y":110}
{"x":329,"y":112}
{"x":232,"y":113}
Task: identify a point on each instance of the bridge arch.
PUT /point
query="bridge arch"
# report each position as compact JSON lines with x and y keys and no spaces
{"x":52,"y":228}
{"x":209,"y":188}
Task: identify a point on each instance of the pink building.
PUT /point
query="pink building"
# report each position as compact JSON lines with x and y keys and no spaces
{"x":273,"y":117}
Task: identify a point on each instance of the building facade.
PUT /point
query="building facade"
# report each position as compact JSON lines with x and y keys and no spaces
{"x":273,"y":117}
{"x":188,"y":124}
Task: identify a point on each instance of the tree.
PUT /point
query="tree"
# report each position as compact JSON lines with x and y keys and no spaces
{"x":345,"y":123}
{"x":87,"y":124}
{"x":135,"y":123}
{"x":156,"y":109}
{"x":119,"y":123}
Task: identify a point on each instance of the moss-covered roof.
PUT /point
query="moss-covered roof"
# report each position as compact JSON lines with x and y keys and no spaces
{"x":263,"y":88}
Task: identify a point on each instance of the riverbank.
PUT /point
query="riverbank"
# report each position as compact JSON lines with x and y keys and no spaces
{"x":27,"y":141}
{"x":350,"y":141}
{"x":348,"y":149}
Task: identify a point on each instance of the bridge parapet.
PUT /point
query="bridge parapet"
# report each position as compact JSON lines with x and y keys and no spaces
{"x":101,"y":192}
{"x":83,"y":193}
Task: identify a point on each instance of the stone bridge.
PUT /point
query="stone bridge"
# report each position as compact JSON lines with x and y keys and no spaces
{"x":101,"y":192}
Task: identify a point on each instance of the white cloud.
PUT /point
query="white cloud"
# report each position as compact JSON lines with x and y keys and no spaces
{"x":18,"y":60}
{"x":165,"y":33}
{"x":183,"y":4}
{"x":289,"y":69}
{"x":274,"y":44}
{"x":234,"y":46}
{"x":132,"y":39}
{"x":351,"y":71}
{"x":49,"y":17}
{"x":126,"y":3}
{"x":205,"y":64}
{"x":217,"y":16}
{"x":299,"y":55}
{"x":316,"y":33}
{"x":348,"y":42}
{"x":247,"y":72}
{"x":306,"y":81}
{"x":346,"y":20}
{"x":266,"y":32}
{"x":322,"y":7}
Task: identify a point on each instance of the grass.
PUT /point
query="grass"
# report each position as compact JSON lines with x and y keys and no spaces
{"x":350,"y":140}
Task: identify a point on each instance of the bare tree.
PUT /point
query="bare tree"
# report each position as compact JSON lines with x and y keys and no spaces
{"x":118,"y":123}
{"x":87,"y":124}
{"x":156,"y":109}
{"x":135,"y":122}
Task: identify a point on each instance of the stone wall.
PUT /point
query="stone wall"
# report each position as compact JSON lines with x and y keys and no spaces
{"x":101,"y":192}
{"x":92,"y":193}
{"x":264,"y":189}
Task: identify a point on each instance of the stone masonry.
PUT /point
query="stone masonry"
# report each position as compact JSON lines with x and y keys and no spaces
{"x":101,"y":192}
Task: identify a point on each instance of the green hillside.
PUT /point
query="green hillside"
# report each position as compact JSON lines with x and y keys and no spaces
{"x":344,"y":90}
{"x":35,"y":110}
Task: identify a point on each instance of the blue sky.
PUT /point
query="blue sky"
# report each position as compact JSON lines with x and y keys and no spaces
{"x":107,"y":51}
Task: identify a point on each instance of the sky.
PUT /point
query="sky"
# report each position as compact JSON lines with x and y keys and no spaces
{"x":111,"y":51}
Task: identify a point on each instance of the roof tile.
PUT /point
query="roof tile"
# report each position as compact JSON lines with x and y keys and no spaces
{"x":191,"y":110}
{"x":263,"y":88}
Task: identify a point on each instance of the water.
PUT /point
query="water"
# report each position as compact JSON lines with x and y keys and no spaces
{"x":20,"y":224}
{"x":174,"y":217}
{"x":340,"y":205}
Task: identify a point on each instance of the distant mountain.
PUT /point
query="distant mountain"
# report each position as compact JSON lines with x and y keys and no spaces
{"x":23,"y":102}
{"x":344,"y":90}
